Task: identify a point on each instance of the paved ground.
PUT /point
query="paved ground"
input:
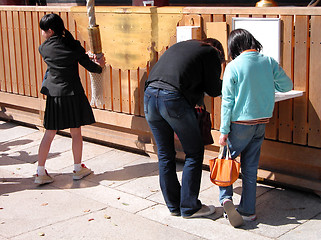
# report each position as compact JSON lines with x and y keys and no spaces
{"x":122,"y":199}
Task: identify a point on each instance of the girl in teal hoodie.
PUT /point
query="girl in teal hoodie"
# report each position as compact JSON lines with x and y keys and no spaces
{"x":249,"y":84}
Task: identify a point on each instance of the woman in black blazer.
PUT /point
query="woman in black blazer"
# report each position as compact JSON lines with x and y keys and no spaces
{"x":66,"y":105}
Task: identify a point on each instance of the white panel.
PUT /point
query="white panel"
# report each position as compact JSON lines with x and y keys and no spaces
{"x":265,"y":30}
{"x":184,"y":33}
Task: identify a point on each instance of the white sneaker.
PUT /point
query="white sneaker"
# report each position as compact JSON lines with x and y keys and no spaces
{"x":43,"y":179}
{"x":83,"y":172}
{"x":233,"y":216}
{"x":204,"y":211}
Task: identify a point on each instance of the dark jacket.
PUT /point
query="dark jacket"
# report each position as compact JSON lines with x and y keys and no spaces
{"x":190,"y":67}
{"x":62,"y":78}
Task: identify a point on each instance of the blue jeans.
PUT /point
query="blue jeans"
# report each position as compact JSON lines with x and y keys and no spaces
{"x":167,"y":112}
{"x":245,"y":140}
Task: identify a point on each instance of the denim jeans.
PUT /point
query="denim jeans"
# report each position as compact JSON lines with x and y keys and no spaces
{"x":245,"y":140}
{"x":167,"y":112}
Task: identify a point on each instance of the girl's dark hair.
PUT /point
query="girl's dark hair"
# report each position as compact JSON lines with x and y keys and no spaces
{"x":55,"y":23}
{"x":216,"y":44}
{"x":241,"y":40}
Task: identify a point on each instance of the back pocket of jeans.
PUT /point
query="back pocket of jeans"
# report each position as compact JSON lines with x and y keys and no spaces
{"x":175,"y":107}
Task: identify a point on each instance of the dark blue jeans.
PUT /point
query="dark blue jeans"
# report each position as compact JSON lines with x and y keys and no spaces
{"x":247,"y":141}
{"x":167,"y":112}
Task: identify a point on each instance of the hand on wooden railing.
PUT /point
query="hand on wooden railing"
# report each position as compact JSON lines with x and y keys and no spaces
{"x":97,"y":58}
{"x":100,"y":59}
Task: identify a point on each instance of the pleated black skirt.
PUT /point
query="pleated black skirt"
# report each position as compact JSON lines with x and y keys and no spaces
{"x":67,"y":112}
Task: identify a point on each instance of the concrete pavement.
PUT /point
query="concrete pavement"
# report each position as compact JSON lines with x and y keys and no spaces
{"x":122,"y":198}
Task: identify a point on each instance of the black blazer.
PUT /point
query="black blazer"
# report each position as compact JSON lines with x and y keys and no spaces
{"x":62,"y":77}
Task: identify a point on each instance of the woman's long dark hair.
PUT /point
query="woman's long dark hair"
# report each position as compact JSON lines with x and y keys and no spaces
{"x":55,"y":23}
{"x":216,"y":44}
{"x":241,"y":40}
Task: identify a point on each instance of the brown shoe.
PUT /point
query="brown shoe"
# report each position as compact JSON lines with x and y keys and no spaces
{"x":233,"y":216}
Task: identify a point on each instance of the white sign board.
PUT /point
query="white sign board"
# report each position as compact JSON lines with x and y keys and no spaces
{"x":266,"y":30}
{"x":184,"y":33}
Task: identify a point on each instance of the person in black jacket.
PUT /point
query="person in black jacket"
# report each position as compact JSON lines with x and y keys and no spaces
{"x":66,"y":105}
{"x":174,"y":86}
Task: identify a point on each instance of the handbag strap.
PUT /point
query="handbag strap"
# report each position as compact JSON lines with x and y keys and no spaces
{"x":228,"y":152}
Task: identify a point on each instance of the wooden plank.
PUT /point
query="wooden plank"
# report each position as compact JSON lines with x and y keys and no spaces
{"x":271,"y":131}
{"x":43,"y":64}
{"x":83,"y":74}
{"x":32,"y":51}
{"x":218,"y":30}
{"x":121,"y":120}
{"x":205,"y":18}
{"x":12,"y":52}
{"x":37,"y":42}
{"x":134,"y":92}
{"x":192,"y":20}
{"x":271,"y":128}
{"x":24,"y":54}
{"x":116,"y":90}
{"x":64,"y":17}
{"x":218,"y":101}
{"x":18,"y":52}
{"x":21,"y":115}
{"x":285,"y":107}
{"x":208,"y":101}
{"x":205,"y":9}
{"x":290,"y":180}
{"x":127,"y":140}
{"x":71,"y":24}
{"x":22,"y":101}
{"x":107,"y":88}
{"x":291,"y":159}
{"x":314,"y":134}
{"x":6,"y":52}
{"x":301,"y":79}
{"x":2,"y":67}
{"x":125,"y":91}
{"x":229,"y":22}
{"x":143,"y":75}
{"x":253,"y":10}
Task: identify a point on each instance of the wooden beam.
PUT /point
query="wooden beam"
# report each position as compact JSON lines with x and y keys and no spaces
{"x":22,"y":101}
{"x":254,"y":10}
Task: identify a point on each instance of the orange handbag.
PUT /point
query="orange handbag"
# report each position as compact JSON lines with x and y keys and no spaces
{"x":224,"y":171}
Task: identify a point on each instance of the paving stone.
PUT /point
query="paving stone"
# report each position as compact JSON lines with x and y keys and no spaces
{"x":203,"y":227}
{"x":108,"y":223}
{"x":16,"y":167}
{"x":309,"y":230}
{"x":143,"y":186}
{"x":22,"y":143}
{"x":10,"y":131}
{"x":103,"y":194}
{"x":118,"y":168}
{"x":35,"y":207}
{"x":280,"y":211}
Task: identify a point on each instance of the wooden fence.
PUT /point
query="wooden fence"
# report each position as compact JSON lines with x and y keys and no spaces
{"x":291,"y":153}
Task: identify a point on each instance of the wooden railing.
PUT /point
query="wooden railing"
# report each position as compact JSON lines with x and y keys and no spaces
{"x":292,"y":149}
